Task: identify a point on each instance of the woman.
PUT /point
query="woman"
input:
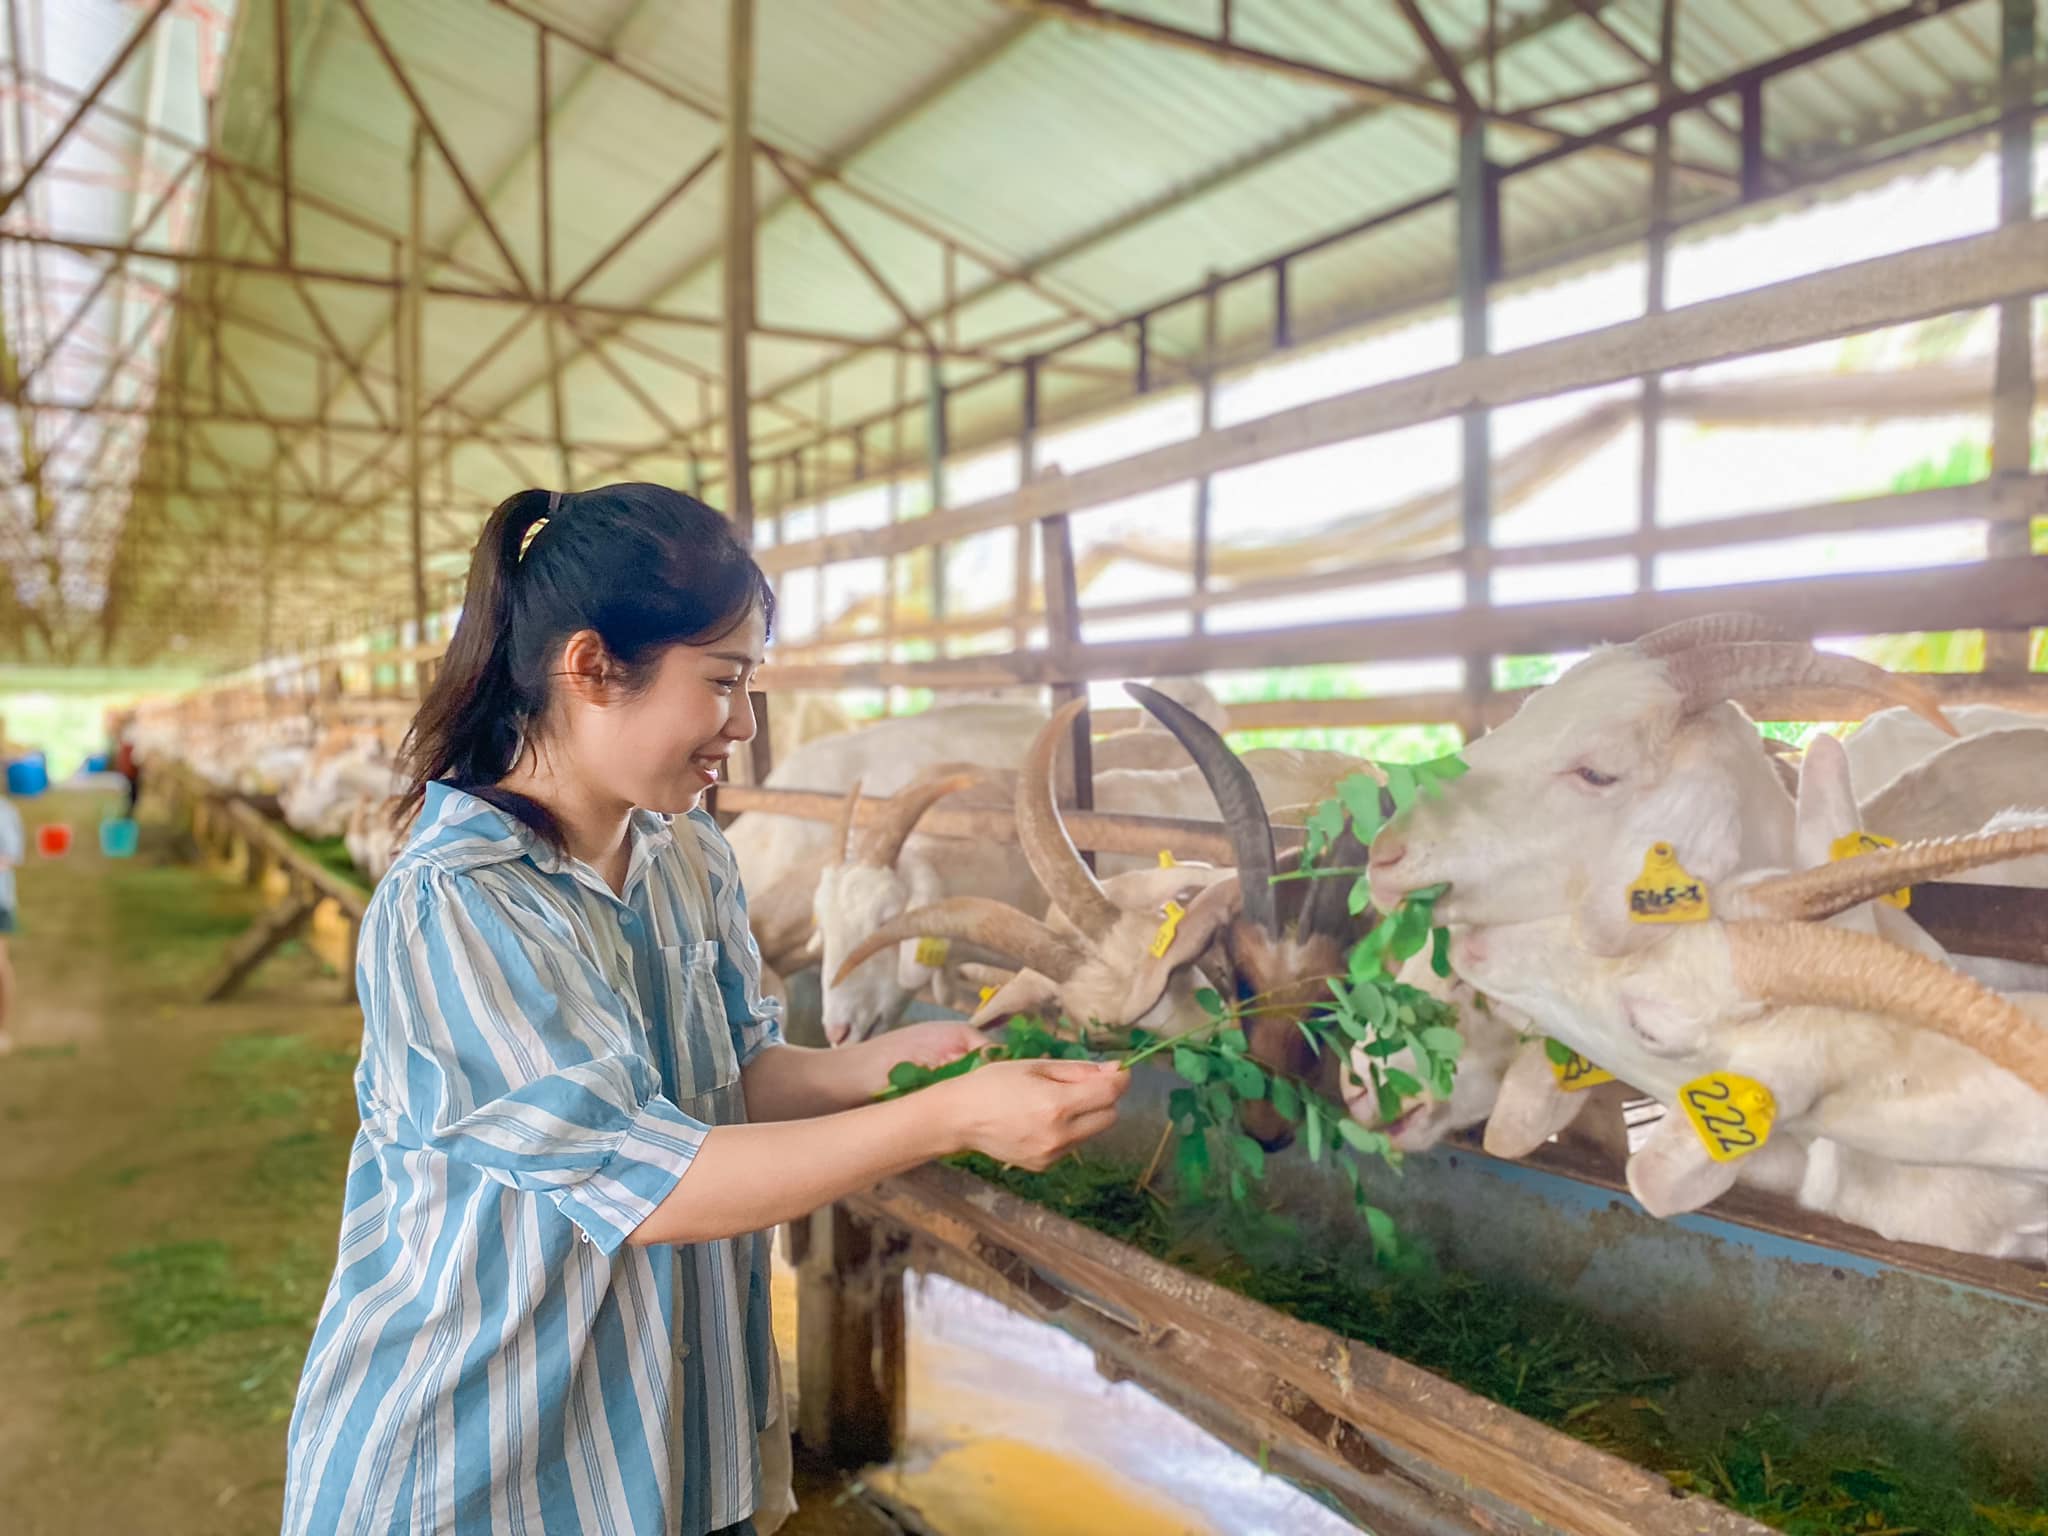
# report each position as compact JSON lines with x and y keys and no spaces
{"x":550,"y":1307}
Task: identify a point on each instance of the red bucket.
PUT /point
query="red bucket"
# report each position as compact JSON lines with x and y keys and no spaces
{"x":53,"y":841}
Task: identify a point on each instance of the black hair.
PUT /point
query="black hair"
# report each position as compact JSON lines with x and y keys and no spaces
{"x":643,"y":566}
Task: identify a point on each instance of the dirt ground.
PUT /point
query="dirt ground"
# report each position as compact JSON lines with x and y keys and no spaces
{"x":169,"y":1194}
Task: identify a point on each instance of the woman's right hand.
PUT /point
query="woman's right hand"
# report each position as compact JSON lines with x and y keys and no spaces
{"x":1033,"y":1113}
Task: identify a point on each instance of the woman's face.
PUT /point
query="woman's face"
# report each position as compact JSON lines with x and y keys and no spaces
{"x":663,"y":747}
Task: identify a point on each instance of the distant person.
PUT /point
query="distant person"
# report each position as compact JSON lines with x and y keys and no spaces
{"x":127,"y":764}
{"x":13,"y":848}
{"x":550,"y":1309}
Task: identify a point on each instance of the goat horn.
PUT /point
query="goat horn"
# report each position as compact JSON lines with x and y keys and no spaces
{"x":1237,"y":796}
{"x":1709,"y":629}
{"x":1049,"y":850}
{"x":842,"y":831}
{"x":1816,"y":893}
{"x":1796,"y":963}
{"x":994,"y":925}
{"x":904,"y":809}
{"x":1789,"y":671}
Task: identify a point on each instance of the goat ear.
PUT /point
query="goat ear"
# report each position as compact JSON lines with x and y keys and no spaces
{"x":1672,"y":1174}
{"x":1027,"y":992}
{"x":1213,"y":911}
{"x":1531,"y":1108}
{"x":1827,"y":801}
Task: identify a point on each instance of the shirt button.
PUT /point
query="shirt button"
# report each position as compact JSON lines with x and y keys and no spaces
{"x":629,"y":918}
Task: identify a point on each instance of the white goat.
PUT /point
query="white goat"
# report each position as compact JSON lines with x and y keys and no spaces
{"x":891,"y":872}
{"x":1824,"y":1018}
{"x":345,"y":770}
{"x":1892,"y":740}
{"x":780,"y":855}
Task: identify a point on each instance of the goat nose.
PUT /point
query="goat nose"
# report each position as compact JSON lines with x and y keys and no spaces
{"x":1387,"y":852}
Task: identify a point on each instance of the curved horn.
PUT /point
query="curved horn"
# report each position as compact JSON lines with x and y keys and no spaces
{"x":1055,"y":861}
{"x":842,"y":831}
{"x":886,"y":836}
{"x":1237,"y":796}
{"x":1831,"y":888}
{"x":993,"y":925}
{"x":1794,"y":963}
{"x":1709,"y":629}
{"x":1709,"y":674}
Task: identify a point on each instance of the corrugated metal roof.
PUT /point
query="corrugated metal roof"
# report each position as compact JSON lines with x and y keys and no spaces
{"x":1117,"y":171}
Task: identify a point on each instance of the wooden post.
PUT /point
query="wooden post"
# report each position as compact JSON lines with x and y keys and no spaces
{"x":739,"y":262}
{"x":1754,"y":165}
{"x":1656,"y":263}
{"x":935,"y":443}
{"x":850,"y":1355}
{"x":1211,"y":320}
{"x":1478,"y":262}
{"x":415,"y":396}
{"x":1027,"y":469}
{"x":1063,"y":635}
{"x":2012,"y":397}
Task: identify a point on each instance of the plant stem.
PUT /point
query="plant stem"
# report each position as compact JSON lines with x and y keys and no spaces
{"x":1318,"y":874}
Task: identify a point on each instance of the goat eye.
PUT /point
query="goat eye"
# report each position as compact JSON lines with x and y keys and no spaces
{"x":1596,"y":778}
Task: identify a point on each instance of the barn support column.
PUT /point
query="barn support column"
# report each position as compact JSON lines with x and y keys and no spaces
{"x":739,"y":262}
{"x":1656,"y":258}
{"x":415,"y":396}
{"x":1478,"y":265}
{"x":2012,"y":399}
{"x":850,"y":1354}
{"x":936,"y":428}
{"x":1204,"y":484}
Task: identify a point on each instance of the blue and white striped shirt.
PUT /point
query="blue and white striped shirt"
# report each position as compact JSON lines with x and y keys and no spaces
{"x":541,"y":1061}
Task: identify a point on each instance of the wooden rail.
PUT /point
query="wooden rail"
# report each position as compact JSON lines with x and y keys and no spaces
{"x":1406,"y":1452}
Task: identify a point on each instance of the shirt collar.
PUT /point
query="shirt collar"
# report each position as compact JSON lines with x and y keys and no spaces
{"x":462,"y":831}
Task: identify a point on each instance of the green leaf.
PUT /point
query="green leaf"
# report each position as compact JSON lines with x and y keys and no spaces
{"x":1181,"y":1104}
{"x":1389,"y":1103}
{"x":1442,"y":1042}
{"x":1385,"y":1046}
{"x":1250,"y":1155}
{"x":908,"y":1075}
{"x":1401,"y":785}
{"x":1191,"y":1163}
{"x":1359,"y":1139}
{"x":1385,"y":1239}
{"x":1219,"y":1102}
{"x":1313,"y":1112}
{"x":1238,"y":1193}
{"x":1233,"y":1041}
{"x":1559,"y":1053}
{"x":1402,"y":1083}
{"x":1287,"y":1100}
{"x":1247,"y":1079}
{"x":1207,"y":999}
{"x":1192,"y":1065}
{"x":1449,"y":766}
{"x":1360,"y":793}
{"x":1440,"y":951}
{"x":1325,"y":824}
{"x":1361,"y":895}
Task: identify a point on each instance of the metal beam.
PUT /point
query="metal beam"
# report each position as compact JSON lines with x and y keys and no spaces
{"x":740,"y":235}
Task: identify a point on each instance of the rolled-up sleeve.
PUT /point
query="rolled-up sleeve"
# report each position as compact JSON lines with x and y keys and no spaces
{"x":508,"y":1052}
{"x":756,"y":1021}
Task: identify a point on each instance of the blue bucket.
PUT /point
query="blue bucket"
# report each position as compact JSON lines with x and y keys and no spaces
{"x":27,"y":777}
{"x":118,"y":838}
{"x":99,"y":762}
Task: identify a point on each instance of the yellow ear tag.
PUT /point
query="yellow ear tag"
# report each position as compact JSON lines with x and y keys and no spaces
{"x":1165,"y":859}
{"x":986,"y":994}
{"x":931,"y":953}
{"x":1574,"y":1074}
{"x":1162,"y":941}
{"x":1732,"y":1114}
{"x":1869,"y":842}
{"x":1664,"y":892}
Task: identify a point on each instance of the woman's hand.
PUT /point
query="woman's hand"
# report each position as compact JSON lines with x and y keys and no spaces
{"x":928,"y":1045}
{"x":1031,"y":1113}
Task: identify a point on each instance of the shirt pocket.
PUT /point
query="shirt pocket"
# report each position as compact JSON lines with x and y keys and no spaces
{"x":705,"y":1060}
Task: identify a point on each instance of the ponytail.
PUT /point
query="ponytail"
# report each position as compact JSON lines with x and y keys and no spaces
{"x":643,"y":566}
